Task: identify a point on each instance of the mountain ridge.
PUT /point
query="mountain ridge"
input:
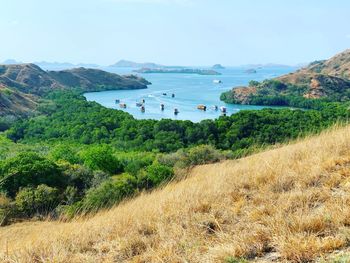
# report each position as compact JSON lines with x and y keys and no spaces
{"x":29,"y":80}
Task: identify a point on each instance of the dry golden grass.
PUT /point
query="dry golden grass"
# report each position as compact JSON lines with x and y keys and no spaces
{"x":292,"y":202}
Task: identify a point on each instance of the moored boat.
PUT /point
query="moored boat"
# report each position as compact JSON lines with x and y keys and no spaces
{"x":117,"y":101}
{"x":223,"y":109}
{"x":176,"y":111}
{"x":217,"y":81}
{"x":122,"y":105}
{"x":202,"y":107}
{"x":162,"y":106}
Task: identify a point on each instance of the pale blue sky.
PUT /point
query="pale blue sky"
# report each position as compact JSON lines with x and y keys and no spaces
{"x":181,"y":32}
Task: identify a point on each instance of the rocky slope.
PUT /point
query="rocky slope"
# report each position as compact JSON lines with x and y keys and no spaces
{"x":22,"y":84}
{"x":321,"y":79}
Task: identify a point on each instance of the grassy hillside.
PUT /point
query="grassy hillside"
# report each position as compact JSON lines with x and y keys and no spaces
{"x":286,"y":204}
{"x":26,"y":83}
{"x":13,"y":102}
{"x":328,"y":80}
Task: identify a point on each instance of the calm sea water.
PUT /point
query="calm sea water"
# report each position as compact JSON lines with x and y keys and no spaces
{"x":190,"y":90}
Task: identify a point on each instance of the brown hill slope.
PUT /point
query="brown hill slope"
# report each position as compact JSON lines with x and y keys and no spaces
{"x":287,"y":204}
{"x":13,"y":102}
{"x":321,"y":79}
{"x":28,"y":81}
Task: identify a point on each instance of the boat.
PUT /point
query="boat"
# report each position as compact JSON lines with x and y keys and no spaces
{"x":142,"y":108}
{"x":143,"y":101}
{"x":138,"y":104}
{"x":164,"y":94}
{"x":117,"y":101}
{"x":122,"y":105}
{"x":215,"y":107}
{"x":202,"y":107}
{"x":223,"y":109}
{"x":217,"y":81}
{"x":162,"y":107}
{"x":176,"y":111}
{"x":173,"y":95}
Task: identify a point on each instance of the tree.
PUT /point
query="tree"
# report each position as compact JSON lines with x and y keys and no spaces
{"x":101,"y":158}
{"x":29,"y":169}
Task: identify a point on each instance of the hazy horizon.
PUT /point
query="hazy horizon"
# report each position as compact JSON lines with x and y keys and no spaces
{"x":174,"y":32}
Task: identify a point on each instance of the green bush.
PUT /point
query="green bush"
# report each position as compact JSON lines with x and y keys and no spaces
{"x":101,"y":158}
{"x":40,"y":200}
{"x":203,"y":154}
{"x":64,"y":152}
{"x":77,"y":176}
{"x":28,"y":169}
{"x":154,"y":175}
{"x":133,"y":164}
{"x":109,"y":193}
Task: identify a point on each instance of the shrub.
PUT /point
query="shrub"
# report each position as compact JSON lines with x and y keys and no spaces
{"x":40,"y":200}
{"x":28,"y":169}
{"x":109,"y":193}
{"x":101,"y":158}
{"x":154,"y":175}
{"x":78,"y":176}
{"x":137,"y":162}
{"x":203,"y":154}
{"x":64,"y":152}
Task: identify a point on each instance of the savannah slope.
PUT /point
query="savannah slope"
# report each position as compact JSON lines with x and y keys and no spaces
{"x":288,"y":204}
{"x":21,"y":85}
{"x":326,"y":79}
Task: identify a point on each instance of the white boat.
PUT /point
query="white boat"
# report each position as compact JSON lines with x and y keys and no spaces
{"x":217,"y":81}
{"x":223,"y":109}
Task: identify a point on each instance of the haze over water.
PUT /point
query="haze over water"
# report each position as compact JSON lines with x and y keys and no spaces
{"x":190,"y":90}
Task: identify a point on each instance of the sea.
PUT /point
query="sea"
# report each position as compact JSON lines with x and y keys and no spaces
{"x":190,"y":90}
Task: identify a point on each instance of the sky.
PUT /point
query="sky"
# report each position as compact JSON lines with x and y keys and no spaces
{"x":174,"y":32}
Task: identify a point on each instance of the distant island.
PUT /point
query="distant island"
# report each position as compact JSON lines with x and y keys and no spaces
{"x":218,"y":66}
{"x":52,"y":65}
{"x":178,"y":71}
{"x":251,"y":71}
{"x":131,"y":64}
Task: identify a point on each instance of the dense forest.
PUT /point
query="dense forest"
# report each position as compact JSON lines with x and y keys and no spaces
{"x":77,"y":156}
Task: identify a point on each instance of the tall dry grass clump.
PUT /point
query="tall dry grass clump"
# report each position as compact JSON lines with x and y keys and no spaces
{"x":287,"y":204}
